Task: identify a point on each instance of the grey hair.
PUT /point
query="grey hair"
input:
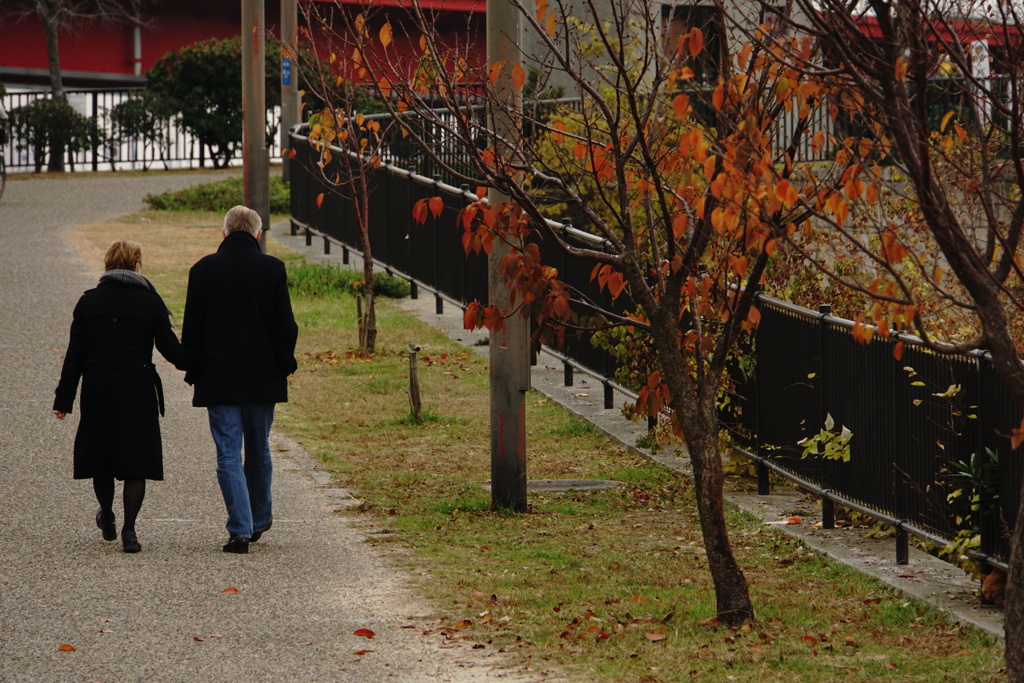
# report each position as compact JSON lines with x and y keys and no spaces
{"x":242,"y":218}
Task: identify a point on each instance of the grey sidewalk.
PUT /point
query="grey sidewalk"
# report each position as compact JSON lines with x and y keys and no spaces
{"x":162,"y":615}
{"x":926,"y":577}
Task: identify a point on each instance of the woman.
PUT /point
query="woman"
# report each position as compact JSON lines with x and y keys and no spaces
{"x":111,"y":349}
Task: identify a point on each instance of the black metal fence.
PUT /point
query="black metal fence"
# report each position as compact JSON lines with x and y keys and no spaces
{"x":109,"y":149}
{"x":912,"y":418}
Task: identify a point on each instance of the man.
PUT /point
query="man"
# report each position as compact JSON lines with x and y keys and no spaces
{"x":239,"y":335}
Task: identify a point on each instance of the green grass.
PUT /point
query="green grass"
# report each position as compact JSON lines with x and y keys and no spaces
{"x":326,"y":280}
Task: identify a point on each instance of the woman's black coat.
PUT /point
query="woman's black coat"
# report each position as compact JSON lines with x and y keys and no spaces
{"x":111,"y":349}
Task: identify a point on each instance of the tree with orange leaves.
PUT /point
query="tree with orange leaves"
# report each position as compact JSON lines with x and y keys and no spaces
{"x":687,"y":183}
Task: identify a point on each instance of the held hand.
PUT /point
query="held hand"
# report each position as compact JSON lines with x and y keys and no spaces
{"x":59,"y":415}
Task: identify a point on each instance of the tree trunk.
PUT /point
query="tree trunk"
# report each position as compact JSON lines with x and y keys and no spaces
{"x":51,"y":25}
{"x":1013,"y":613}
{"x":368,"y":340}
{"x":700,"y":428}
{"x":693,"y":401}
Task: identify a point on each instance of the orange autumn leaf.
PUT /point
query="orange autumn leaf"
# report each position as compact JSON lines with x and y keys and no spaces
{"x":557,"y":130}
{"x":436,"y":205}
{"x":67,"y":648}
{"x":419,"y":211}
{"x":319,"y":200}
{"x":230,"y":590}
{"x":518,"y":76}
{"x":1017,"y":436}
{"x":364,"y":633}
{"x":897,"y":351}
{"x":681,"y":106}
{"x":794,"y":520}
{"x":495,"y":71}
{"x":360,"y":653}
{"x":695,"y":42}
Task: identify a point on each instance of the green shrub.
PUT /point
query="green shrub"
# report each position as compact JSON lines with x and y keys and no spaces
{"x":218,"y":197}
{"x":319,"y":279}
{"x":143,"y":118}
{"x":48,"y":128}
{"x":202,"y":85}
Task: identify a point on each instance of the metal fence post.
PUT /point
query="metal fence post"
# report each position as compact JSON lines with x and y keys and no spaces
{"x":828,"y":507}
{"x":95,"y":132}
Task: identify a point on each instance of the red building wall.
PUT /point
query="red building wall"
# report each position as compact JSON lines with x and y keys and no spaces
{"x":102,"y":54}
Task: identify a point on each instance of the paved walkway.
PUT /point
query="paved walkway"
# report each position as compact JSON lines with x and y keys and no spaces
{"x":926,"y":577}
{"x":162,"y":615}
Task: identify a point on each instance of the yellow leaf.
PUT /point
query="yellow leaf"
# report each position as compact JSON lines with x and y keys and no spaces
{"x":386,"y":34}
{"x":945,"y":121}
{"x":551,"y":25}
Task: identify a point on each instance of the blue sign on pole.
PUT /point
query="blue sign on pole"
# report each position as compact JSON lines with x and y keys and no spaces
{"x":286,"y":71}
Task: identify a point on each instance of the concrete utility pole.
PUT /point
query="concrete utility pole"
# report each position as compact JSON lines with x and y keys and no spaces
{"x":509,"y":350}
{"x":289,"y":79}
{"x":256,"y":163}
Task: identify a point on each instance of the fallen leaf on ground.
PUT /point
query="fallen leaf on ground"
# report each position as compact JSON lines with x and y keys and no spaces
{"x":305,"y":644}
{"x":809,"y":639}
{"x":364,"y":632}
{"x":360,"y":653}
{"x":794,"y":520}
{"x":71,"y":648}
{"x":197,"y":639}
{"x":215,"y":635}
{"x":654,"y":637}
{"x":230,"y":590}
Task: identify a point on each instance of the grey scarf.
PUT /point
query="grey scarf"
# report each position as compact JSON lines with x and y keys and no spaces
{"x":130,"y":277}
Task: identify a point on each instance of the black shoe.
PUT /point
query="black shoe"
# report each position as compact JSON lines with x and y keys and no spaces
{"x":259,"y":532}
{"x":129,"y":541}
{"x":106,"y":524}
{"x":237,"y":545}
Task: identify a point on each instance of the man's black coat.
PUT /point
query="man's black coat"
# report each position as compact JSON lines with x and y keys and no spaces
{"x":238,"y":331}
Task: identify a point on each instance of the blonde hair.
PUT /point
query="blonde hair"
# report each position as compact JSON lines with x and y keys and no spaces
{"x":242,"y":218}
{"x":123,"y":254}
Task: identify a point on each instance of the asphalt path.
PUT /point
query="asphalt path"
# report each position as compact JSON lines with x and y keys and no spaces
{"x":163,"y":614}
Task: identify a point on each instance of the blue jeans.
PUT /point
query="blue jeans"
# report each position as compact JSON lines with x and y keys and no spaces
{"x":245,"y":487}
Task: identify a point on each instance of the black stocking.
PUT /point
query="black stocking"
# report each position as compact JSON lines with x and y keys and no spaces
{"x":104,"y":489}
{"x":134,"y":492}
